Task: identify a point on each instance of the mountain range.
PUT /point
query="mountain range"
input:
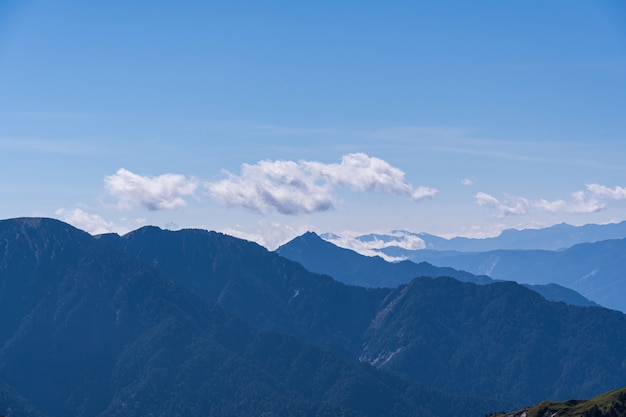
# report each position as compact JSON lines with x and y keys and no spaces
{"x":553,"y":238}
{"x":193,"y":322}
{"x":595,"y":270}
{"x":278,"y":294}
{"x":587,"y":259}
{"x":90,"y":331}
{"x":350,"y":267}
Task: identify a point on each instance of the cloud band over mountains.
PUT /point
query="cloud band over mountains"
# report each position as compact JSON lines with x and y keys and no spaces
{"x":288,"y":187}
{"x":300,"y":187}
{"x":593,"y":198}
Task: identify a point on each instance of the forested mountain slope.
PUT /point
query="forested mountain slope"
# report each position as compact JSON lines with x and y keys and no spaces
{"x":89,"y":331}
{"x":544,"y":341}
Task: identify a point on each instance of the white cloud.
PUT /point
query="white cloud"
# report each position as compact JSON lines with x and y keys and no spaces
{"x":468,"y":182}
{"x":90,"y":223}
{"x":601,"y":191}
{"x":361,"y":172}
{"x":371,"y":247}
{"x":283,"y":185}
{"x":268,"y":233}
{"x":399,"y":239}
{"x":484,"y":199}
{"x":596,"y":197}
{"x":511,"y":205}
{"x":307,"y":186}
{"x":163,"y":192}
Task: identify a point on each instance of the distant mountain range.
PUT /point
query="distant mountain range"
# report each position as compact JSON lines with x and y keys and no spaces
{"x":552,"y":238}
{"x":587,"y":259}
{"x":199,"y":323}
{"x":347,"y":266}
{"x":595,"y":270}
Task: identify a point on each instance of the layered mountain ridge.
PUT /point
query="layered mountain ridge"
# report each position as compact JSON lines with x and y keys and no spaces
{"x":347,"y":266}
{"x":89,"y":331}
{"x":594,"y":270}
{"x":200,"y":323}
{"x":553,"y":238}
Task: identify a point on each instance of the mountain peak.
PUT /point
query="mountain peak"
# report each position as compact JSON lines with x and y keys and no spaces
{"x":40,"y":226}
{"x":34,"y":222}
{"x":308,"y":238}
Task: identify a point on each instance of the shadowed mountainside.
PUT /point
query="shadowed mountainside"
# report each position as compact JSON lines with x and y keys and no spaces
{"x":496,"y":327}
{"x":89,"y":331}
{"x":501,"y":339}
{"x":95,"y":327}
{"x":261,"y":286}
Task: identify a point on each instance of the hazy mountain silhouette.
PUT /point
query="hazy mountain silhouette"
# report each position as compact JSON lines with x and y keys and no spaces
{"x":595,"y":270}
{"x":557,"y":237}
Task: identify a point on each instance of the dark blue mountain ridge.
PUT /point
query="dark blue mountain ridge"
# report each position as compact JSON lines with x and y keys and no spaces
{"x":483,"y":314}
{"x":89,"y":331}
{"x":120,"y":333}
{"x":432,"y":330}
{"x":350,"y":267}
{"x":261,"y":286}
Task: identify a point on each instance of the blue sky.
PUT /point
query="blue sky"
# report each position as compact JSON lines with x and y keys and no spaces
{"x":267,"y":119}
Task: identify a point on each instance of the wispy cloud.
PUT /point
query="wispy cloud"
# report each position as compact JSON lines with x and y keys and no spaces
{"x":292,"y":187}
{"x":53,"y":146}
{"x":371,"y":245}
{"x":593,"y":198}
{"x":275,"y":130}
{"x":473,"y":142}
{"x":468,"y":182}
{"x":510,"y":205}
{"x":268,"y":233}
{"x":95,"y":224}
{"x":90,"y":223}
{"x":163,"y":192}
